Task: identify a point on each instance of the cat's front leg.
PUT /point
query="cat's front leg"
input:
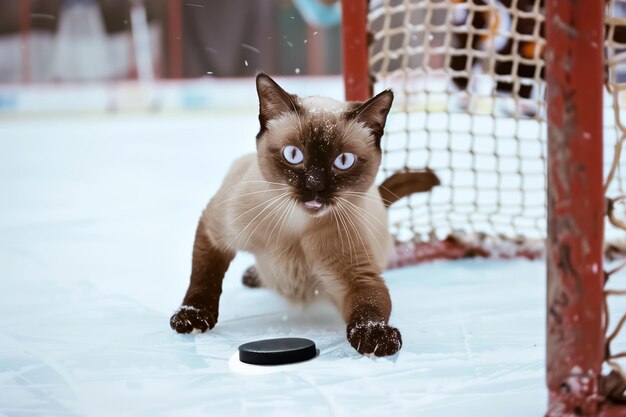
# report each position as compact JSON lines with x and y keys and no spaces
{"x":200,"y":307}
{"x":367,"y":307}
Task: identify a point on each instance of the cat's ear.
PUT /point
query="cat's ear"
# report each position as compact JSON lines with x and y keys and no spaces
{"x":273,"y":100}
{"x":373,"y":113}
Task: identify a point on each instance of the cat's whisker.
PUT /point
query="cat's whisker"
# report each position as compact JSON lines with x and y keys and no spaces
{"x":262,"y":182}
{"x":358,"y":234}
{"x":332,"y":212}
{"x":373,"y":233}
{"x":361,"y":195}
{"x":366,"y":195}
{"x":269,"y":204}
{"x":270,"y":213}
{"x":340,"y":225}
{"x":252,"y":221}
{"x":389,"y":191}
{"x":365,"y":212}
{"x":276,"y":220}
{"x":286,"y":206}
{"x":361,"y":216}
{"x":342,"y":217}
{"x":291,"y":210}
{"x":267,"y":190}
{"x":286,"y":218}
{"x":257,"y":206}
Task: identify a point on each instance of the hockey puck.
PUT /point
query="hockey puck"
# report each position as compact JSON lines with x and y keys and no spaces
{"x":277,"y":351}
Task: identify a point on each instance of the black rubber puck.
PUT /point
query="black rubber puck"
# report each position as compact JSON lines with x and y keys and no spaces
{"x":277,"y":351}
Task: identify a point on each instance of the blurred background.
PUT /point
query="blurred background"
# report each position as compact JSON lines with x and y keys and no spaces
{"x":113,"y":54}
{"x":79,"y":40}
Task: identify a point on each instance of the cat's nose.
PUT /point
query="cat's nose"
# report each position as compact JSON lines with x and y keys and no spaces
{"x":315,"y":181}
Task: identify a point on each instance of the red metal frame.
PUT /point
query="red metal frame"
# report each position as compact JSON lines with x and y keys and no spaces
{"x":356,"y":74}
{"x":575,"y":332}
{"x":455,"y":247}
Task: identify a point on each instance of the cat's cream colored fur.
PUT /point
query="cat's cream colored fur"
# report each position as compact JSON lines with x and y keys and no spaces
{"x":300,"y":256}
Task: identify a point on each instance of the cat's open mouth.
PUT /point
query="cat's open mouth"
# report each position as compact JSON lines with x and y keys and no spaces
{"x":315,"y":206}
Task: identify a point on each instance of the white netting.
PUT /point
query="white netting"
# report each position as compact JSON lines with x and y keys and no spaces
{"x":468,"y":79}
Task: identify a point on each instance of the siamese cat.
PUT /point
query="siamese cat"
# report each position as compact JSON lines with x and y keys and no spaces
{"x":307,"y":207}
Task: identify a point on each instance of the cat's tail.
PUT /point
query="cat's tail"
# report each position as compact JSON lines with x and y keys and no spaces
{"x":404,"y":183}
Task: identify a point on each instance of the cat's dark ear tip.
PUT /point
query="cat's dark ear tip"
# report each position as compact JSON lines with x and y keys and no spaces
{"x":261,"y":76}
{"x":386,"y":97}
{"x":388,"y":92}
{"x":264,"y":79}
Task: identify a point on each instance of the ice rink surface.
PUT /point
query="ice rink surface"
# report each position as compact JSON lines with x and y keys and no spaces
{"x":97,"y":218}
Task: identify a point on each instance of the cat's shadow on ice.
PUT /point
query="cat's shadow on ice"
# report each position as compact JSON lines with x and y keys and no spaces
{"x":284,"y":320}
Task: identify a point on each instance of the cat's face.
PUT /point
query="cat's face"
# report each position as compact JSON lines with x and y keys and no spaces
{"x":322,"y":149}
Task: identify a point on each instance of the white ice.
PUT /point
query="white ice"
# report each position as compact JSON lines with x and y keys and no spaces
{"x":97,"y":218}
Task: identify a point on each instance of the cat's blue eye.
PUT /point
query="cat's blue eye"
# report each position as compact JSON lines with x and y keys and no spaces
{"x":345,"y":161}
{"x":292,"y":155}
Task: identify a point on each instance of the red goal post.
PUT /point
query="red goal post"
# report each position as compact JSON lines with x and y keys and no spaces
{"x":558,"y":49}
{"x":576,"y":209}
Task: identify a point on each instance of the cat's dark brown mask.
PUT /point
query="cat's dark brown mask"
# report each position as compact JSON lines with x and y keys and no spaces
{"x":320,"y":147}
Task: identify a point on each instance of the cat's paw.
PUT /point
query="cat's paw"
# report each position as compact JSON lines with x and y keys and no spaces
{"x":190,"y":319}
{"x":251,"y":278}
{"x":374,"y":338}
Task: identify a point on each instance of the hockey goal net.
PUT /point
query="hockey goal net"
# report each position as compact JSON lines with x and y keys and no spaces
{"x":517,"y":106}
